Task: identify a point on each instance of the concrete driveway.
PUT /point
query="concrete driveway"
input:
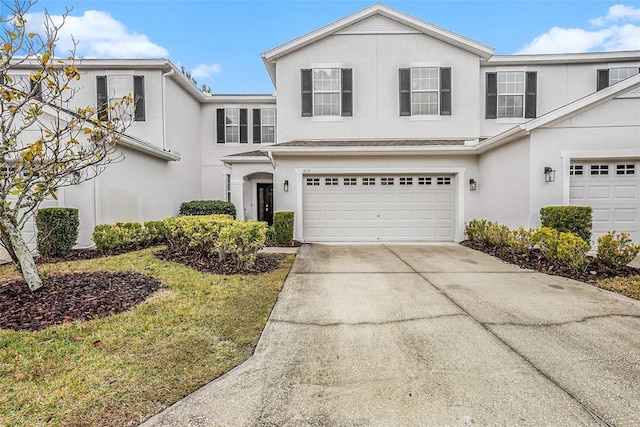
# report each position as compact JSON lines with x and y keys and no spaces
{"x":429,"y":335}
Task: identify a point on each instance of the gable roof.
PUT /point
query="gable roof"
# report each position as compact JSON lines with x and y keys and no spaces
{"x":576,"y":107}
{"x":269,"y":57}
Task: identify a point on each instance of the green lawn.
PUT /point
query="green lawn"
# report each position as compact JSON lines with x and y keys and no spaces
{"x":629,"y":286}
{"x":120,"y":370}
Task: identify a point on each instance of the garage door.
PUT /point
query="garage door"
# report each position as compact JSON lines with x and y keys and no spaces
{"x":379,"y":208}
{"x":612,"y":189}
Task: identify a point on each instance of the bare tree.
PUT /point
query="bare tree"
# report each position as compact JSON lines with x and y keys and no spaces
{"x":45,"y":142}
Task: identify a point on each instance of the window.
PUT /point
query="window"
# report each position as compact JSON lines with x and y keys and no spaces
{"x":228,"y":186}
{"x":331,"y":181}
{"x":36,"y":89}
{"x":116,"y":87}
{"x":231,"y":125}
{"x":264,"y":125}
{"x":576,"y":170}
{"x":599,"y":169}
{"x":626,"y":169}
{"x":511,"y":94}
{"x":387,"y":181}
{"x":444,"y":180}
{"x":313,"y":182}
{"x":609,"y":76}
{"x":425,"y":91}
{"x":368,"y":181}
{"x":350,"y":181}
{"x":424,"y":180}
{"x":406,"y":181}
{"x":327,"y":92}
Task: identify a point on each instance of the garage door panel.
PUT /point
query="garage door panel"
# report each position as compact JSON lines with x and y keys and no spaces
{"x":406,"y":209}
{"x":602,"y":192}
{"x":625,"y":215}
{"x":623,"y":192}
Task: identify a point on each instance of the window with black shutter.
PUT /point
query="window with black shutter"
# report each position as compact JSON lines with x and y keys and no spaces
{"x":257,"y":126}
{"x":220,"y":127}
{"x":603,"y":79}
{"x":307,"y":93}
{"x":36,"y":89}
{"x":491,"y":101}
{"x":102,"y":99}
{"x":243,"y":126}
{"x":138,"y":97}
{"x":405,"y":91}
{"x":347,"y":92}
{"x":445,"y":91}
{"x":531,"y":94}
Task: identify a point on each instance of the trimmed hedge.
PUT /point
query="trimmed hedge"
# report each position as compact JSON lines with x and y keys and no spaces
{"x":283,"y":227}
{"x":57,"y":230}
{"x":208,"y":207}
{"x":572,"y":219}
{"x":217,"y":235}
{"x":128,"y":235}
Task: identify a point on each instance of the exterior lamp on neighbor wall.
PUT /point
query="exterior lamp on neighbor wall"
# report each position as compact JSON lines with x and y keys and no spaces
{"x":286,"y":185}
{"x":473,"y":184}
{"x":549,"y":174}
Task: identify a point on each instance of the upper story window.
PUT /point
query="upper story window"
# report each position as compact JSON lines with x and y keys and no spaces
{"x":511,"y":94}
{"x":610,"y":76}
{"x":264,"y":125}
{"x":117,"y":86}
{"x":327,"y":92}
{"x":231,"y":125}
{"x":425,"y":91}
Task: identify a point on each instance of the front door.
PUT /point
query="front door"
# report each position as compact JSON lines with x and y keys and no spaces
{"x":265,"y":203}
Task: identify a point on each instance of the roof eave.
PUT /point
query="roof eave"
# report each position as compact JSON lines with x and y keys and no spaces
{"x":364,"y":150}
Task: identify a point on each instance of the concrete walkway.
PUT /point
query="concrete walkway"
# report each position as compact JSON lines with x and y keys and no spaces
{"x":429,"y":335}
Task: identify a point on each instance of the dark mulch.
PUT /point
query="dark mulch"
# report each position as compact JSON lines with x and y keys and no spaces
{"x":78,"y":255}
{"x":534,"y":260}
{"x":264,"y":263}
{"x":71,"y":297}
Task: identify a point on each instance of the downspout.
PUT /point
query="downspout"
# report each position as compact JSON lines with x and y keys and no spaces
{"x":164,"y":101}
{"x":273,"y":162}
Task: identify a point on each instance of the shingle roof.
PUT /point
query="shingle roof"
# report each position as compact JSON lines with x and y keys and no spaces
{"x":249,"y":154}
{"x":371,"y":143}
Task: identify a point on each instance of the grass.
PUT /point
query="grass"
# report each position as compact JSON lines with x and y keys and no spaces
{"x":629,"y":286}
{"x":120,"y":370}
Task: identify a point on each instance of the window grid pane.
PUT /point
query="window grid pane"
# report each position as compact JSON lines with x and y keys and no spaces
{"x":511,"y":94}
{"x":424,"y":91}
{"x":621,"y":73}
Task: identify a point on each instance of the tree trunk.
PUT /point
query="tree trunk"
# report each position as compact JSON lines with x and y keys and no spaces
{"x":25,"y":261}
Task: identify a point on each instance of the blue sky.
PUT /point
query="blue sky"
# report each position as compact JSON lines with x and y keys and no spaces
{"x":220,"y":41}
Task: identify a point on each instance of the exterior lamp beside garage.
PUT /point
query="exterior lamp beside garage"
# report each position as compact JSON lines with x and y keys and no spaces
{"x":549,"y":174}
{"x":473,"y":184}
{"x":286,"y":185}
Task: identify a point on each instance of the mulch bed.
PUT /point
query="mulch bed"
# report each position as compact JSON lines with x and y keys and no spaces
{"x":97,"y":294}
{"x":534,"y":260}
{"x":264,"y":263}
{"x":71,"y":297}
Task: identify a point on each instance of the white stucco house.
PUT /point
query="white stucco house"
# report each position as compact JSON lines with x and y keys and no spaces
{"x":384,"y":128}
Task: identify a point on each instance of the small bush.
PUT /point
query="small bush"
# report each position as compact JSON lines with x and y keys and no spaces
{"x":283,"y":227}
{"x":521,"y":240}
{"x":271,"y":233}
{"x":497,"y":235}
{"x":573,"y":219}
{"x":616,"y":250}
{"x":476,"y":230}
{"x":487,"y":232}
{"x":57,"y":230}
{"x":208,"y":207}
{"x":128,"y":235}
{"x":546,"y":239}
{"x":572,"y":251}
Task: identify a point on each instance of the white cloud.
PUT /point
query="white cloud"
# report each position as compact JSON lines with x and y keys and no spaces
{"x":617,"y":13}
{"x":575,"y":40}
{"x":205,"y":70}
{"x":98,"y":36}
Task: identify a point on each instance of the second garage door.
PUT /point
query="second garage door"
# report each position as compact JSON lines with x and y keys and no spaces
{"x":379,"y":208}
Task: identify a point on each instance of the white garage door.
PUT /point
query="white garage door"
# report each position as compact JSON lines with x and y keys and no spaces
{"x":379,"y":208}
{"x":612,"y":189}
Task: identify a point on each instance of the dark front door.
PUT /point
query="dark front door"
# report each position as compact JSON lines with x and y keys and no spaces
{"x":265,"y":203}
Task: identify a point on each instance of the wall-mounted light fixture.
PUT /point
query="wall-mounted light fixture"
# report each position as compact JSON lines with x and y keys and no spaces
{"x":286,"y":185}
{"x":549,"y":174}
{"x":473,"y":184}
{"x":75,"y":177}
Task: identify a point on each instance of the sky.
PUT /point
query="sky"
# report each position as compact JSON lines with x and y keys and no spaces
{"x":220,"y":41}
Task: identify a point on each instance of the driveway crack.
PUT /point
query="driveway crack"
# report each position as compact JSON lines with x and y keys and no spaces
{"x":568,"y":322}
{"x":389,"y":322}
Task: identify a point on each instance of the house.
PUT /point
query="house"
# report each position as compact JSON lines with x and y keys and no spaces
{"x":384,"y":128}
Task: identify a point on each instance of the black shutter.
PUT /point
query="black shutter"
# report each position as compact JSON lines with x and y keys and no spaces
{"x":445,"y":91}
{"x":102,"y":100}
{"x":36,"y":89}
{"x":243,"y":126}
{"x":347,"y":92}
{"x":491,"y":104}
{"x":530,"y":94}
{"x":257,"y":128}
{"x":138,"y":97}
{"x":220,"y":129}
{"x":405,"y":91}
{"x":603,"y":79}
{"x":307,"y":93}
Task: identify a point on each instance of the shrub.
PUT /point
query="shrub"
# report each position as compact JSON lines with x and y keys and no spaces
{"x":521,"y":240}
{"x":217,"y":235}
{"x":497,"y":235}
{"x":271,"y":233}
{"x":208,"y":207}
{"x":283,"y":227}
{"x":57,"y":230}
{"x":487,"y":232}
{"x":616,"y":250}
{"x":574,"y":219}
{"x":572,"y":251}
{"x":128,"y":235}
{"x":546,"y":239}
{"x":476,"y":230}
